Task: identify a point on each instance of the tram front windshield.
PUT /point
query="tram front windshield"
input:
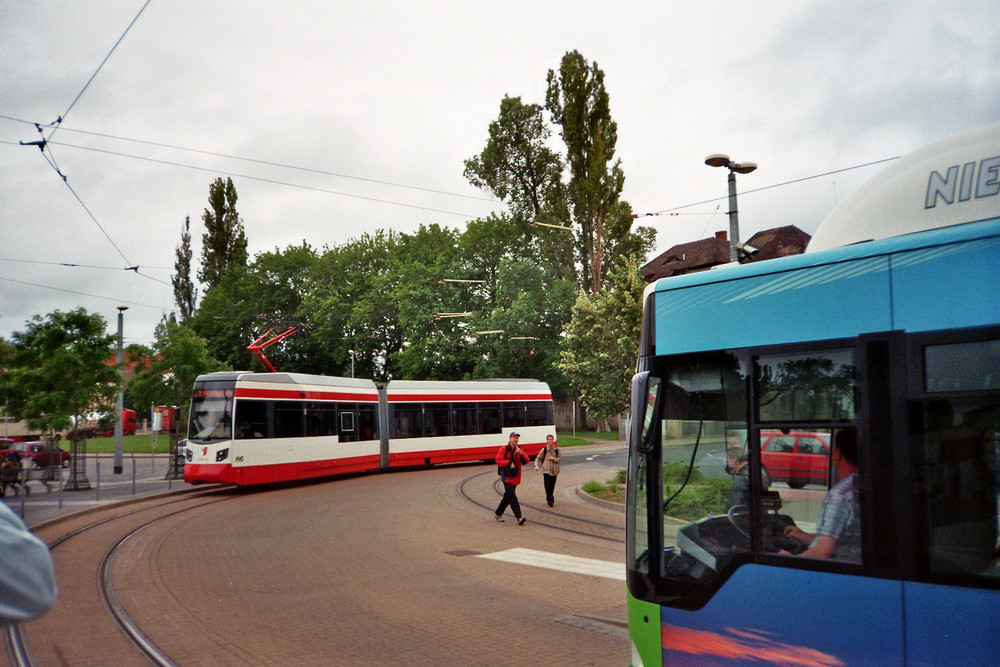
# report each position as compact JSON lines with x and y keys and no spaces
{"x":211,"y":413}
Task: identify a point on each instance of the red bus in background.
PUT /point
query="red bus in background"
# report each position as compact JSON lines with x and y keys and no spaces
{"x":89,"y":427}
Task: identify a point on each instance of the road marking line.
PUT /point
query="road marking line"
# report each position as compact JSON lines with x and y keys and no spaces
{"x":561,"y":562}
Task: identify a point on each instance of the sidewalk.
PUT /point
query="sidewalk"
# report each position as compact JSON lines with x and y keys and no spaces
{"x":142,"y":475}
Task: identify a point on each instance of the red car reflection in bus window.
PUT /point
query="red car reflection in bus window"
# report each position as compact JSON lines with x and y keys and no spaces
{"x":796,"y":458}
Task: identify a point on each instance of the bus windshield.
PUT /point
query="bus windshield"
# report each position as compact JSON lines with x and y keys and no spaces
{"x":211,"y":414}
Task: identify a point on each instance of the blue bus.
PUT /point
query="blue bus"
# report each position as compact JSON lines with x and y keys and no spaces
{"x":751,"y":381}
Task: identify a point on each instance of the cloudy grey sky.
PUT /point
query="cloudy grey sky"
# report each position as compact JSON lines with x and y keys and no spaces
{"x":354,"y":117}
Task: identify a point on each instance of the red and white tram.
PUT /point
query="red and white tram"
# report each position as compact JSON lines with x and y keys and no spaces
{"x":257,"y":428}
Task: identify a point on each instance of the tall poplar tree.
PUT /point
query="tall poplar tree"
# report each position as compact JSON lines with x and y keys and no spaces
{"x":224,"y":243}
{"x":579,"y":104}
{"x":185,"y":293}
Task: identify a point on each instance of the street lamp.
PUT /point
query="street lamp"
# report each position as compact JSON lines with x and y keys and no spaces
{"x":722,"y":160}
{"x":120,"y":401}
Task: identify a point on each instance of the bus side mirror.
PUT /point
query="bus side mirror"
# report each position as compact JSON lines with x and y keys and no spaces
{"x":645,"y":397}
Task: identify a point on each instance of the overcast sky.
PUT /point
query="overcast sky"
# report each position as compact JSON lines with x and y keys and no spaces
{"x":354,"y":117}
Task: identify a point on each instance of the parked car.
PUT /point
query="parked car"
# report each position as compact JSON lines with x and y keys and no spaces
{"x":796,"y":458}
{"x":40,"y":454}
{"x":181,"y":453}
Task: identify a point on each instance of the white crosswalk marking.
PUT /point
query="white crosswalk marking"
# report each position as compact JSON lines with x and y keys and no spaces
{"x":561,"y":562}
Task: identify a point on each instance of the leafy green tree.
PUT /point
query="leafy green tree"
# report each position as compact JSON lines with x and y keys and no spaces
{"x":185,"y":293}
{"x":349,"y":299}
{"x":433,"y":348}
{"x":517,"y":165}
{"x":267,"y":294}
{"x":532,"y":308}
{"x":224,"y":244}
{"x":579,"y":104}
{"x":226,"y":319}
{"x":602,"y":341}
{"x":61,"y":369}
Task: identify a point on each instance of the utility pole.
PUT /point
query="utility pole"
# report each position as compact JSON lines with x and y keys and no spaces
{"x":120,"y":400}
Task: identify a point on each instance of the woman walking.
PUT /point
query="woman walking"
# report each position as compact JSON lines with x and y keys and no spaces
{"x":548,"y":459}
{"x":510,"y":458}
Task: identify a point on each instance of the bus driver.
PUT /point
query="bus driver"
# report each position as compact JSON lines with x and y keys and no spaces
{"x":838,"y":531}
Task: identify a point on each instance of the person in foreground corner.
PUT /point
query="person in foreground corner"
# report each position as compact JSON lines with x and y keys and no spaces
{"x":27,"y":578}
{"x":510,"y":458}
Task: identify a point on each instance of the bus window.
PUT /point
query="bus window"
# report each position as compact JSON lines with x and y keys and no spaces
{"x":803,"y":387}
{"x":703,"y":403}
{"x":957,"y":442}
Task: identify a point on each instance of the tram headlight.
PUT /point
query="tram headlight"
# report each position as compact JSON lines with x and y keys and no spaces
{"x":222,"y":455}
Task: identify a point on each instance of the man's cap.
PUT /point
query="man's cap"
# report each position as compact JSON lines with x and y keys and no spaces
{"x":515,"y":435}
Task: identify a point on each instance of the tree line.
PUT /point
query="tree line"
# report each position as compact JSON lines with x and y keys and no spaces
{"x":549,"y":289}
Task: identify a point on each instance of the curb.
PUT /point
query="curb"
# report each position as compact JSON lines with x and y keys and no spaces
{"x":606,"y":504}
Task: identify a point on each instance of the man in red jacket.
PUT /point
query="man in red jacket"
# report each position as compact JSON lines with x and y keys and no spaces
{"x":510,"y":458}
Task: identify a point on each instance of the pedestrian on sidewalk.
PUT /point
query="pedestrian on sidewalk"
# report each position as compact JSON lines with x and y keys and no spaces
{"x":509,"y":460}
{"x":10,"y":473}
{"x":548,"y":461}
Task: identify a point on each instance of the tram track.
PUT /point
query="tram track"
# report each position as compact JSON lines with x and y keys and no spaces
{"x":18,"y":648}
{"x":544,"y":517}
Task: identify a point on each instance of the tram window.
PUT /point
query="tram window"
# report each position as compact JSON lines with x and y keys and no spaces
{"x":288,"y":419}
{"x":408,"y":421}
{"x":538,"y":413}
{"x":971,"y":366}
{"x":464,"y":418}
{"x":347,"y":431}
{"x":320,"y":419}
{"x":811,"y":386}
{"x":958,"y":445}
{"x":489,"y":419}
{"x":513,"y":415}
{"x":251,"y":419}
{"x":437,"y":420}
{"x":367,"y":423}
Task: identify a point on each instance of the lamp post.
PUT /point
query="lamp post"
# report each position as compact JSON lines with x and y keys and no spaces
{"x":722,"y":160}
{"x":120,"y":400}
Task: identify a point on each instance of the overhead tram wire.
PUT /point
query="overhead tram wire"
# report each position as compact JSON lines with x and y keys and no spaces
{"x":766,"y":187}
{"x":94,"y":296}
{"x":55,"y":126}
{"x":43,"y":144}
{"x":269,"y":180}
{"x":267,"y":163}
{"x":134,"y":269}
{"x":80,"y":266}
